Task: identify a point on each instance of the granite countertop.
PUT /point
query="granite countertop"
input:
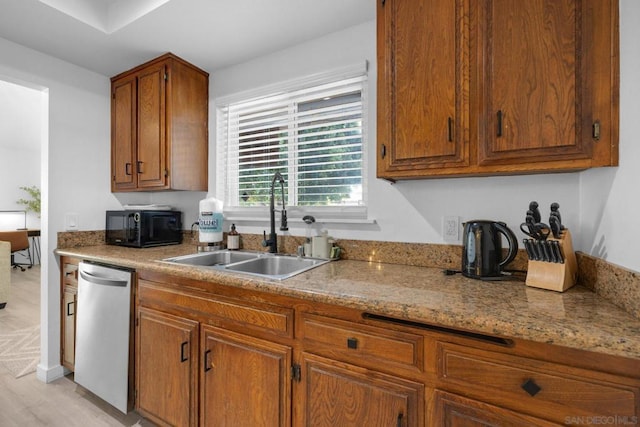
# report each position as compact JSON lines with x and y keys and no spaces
{"x":577,"y":318}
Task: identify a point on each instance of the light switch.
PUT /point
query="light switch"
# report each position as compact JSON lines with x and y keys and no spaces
{"x":71,"y":221}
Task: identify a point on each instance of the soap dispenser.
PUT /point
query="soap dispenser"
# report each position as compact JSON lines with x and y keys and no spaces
{"x":233,"y":238}
{"x":320,"y":245}
{"x":309,"y":220}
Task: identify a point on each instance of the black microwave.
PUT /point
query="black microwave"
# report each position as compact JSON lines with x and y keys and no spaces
{"x":143,"y":228}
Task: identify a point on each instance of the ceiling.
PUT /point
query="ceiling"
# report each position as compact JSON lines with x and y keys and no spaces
{"x":111,"y":36}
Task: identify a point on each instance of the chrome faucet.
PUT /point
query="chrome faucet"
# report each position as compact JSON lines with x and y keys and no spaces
{"x":272,"y":242}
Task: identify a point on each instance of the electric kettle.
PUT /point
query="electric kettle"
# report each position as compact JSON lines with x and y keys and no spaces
{"x":482,"y":248}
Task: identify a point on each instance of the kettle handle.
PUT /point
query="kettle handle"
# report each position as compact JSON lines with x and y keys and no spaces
{"x":513,"y":242}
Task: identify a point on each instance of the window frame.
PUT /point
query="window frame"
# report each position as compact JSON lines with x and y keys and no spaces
{"x":332,"y":214}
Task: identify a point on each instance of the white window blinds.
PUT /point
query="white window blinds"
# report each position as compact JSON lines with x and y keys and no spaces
{"x":312,"y":135}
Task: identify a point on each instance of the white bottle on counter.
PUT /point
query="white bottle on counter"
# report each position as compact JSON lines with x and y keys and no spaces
{"x":210,"y":220}
{"x":233,"y":238}
{"x":320,"y":245}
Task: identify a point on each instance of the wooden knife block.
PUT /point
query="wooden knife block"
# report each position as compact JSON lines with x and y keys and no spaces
{"x":555,"y":276}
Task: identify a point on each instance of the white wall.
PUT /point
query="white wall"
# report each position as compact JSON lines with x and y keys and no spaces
{"x":610,"y":198}
{"x":595,"y":204}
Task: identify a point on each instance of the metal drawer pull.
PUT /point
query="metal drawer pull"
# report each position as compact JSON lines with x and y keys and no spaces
{"x":352,"y":343}
{"x":183,"y":358}
{"x":450,"y":128}
{"x":531,"y":387}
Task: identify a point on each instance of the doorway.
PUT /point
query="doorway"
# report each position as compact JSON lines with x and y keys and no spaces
{"x":24,"y":153}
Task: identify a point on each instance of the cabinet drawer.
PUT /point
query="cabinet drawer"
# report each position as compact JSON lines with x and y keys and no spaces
{"x":219,"y":311}
{"x":70,"y":274}
{"x":361,"y":344}
{"x":540,"y":388}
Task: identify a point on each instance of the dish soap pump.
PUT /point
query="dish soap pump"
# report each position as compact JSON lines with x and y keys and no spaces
{"x":233,"y":238}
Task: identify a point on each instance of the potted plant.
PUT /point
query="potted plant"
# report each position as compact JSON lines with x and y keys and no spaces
{"x":32,"y":204}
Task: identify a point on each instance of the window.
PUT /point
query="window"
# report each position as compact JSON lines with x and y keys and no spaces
{"x":312,"y":134}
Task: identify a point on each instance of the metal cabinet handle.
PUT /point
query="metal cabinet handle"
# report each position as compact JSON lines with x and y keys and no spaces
{"x":207,"y":366}
{"x":531,"y":387}
{"x":352,"y":343}
{"x":69,"y":313}
{"x":499,"y":125}
{"x":450,"y":128}
{"x":400,"y":419}
{"x":595,"y":131}
{"x":183,"y":356}
{"x":127,"y":168}
{"x":139,"y":166}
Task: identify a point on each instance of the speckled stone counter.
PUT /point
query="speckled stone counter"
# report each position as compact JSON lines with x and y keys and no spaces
{"x":578,"y":318}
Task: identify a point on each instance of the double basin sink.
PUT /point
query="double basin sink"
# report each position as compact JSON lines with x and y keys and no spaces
{"x":260,"y":264}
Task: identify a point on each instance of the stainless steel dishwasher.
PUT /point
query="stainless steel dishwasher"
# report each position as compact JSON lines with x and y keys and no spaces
{"x":102,"y":332}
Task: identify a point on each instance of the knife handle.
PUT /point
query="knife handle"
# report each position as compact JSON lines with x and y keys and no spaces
{"x":558,"y":249}
{"x":538,"y":250}
{"x":554,"y":224}
{"x":527,"y":247}
{"x":555,"y":206}
{"x":533,"y":207}
{"x":547,"y":251}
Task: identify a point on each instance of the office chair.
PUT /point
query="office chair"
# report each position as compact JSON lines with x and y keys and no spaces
{"x":19,"y":242}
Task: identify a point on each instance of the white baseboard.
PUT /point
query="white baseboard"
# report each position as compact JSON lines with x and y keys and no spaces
{"x":47,"y":375}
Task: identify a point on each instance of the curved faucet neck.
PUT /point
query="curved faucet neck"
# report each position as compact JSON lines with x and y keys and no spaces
{"x":272,"y":242}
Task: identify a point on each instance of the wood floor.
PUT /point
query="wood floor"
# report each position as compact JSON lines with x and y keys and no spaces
{"x":26,"y":401}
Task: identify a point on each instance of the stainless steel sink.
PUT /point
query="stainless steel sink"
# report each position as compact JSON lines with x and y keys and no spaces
{"x":276,"y":266}
{"x":210,"y":259}
{"x":260,"y":264}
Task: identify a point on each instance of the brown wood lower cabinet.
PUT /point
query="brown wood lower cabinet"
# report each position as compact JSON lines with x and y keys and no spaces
{"x":68,"y":305}
{"x":457,"y":411}
{"x":547,"y":390}
{"x":166,"y":368}
{"x":215,"y":355}
{"x":244,"y":380}
{"x":69,"y":301}
{"x":337,"y":394}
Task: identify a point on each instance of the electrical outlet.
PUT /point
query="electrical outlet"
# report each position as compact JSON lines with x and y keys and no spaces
{"x":451,"y":228}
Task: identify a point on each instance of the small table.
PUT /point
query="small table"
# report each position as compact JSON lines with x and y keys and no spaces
{"x":34,"y":235}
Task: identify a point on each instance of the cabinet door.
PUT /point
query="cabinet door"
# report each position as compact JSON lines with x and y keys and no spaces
{"x":151,"y":164}
{"x":245,"y":381}
{"x":422,"y":85}
{"x":166,"y":368}
{"x":337,"y":394}
{"x":69,"y":299}
{"x":123,"y":134}
{"x":456,"y":411}
{"x":535,"y":82}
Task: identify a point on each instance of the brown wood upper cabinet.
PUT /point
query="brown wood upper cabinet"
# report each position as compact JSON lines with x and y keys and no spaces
{"x":159,"y":127}
{"x":489,"y":87}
